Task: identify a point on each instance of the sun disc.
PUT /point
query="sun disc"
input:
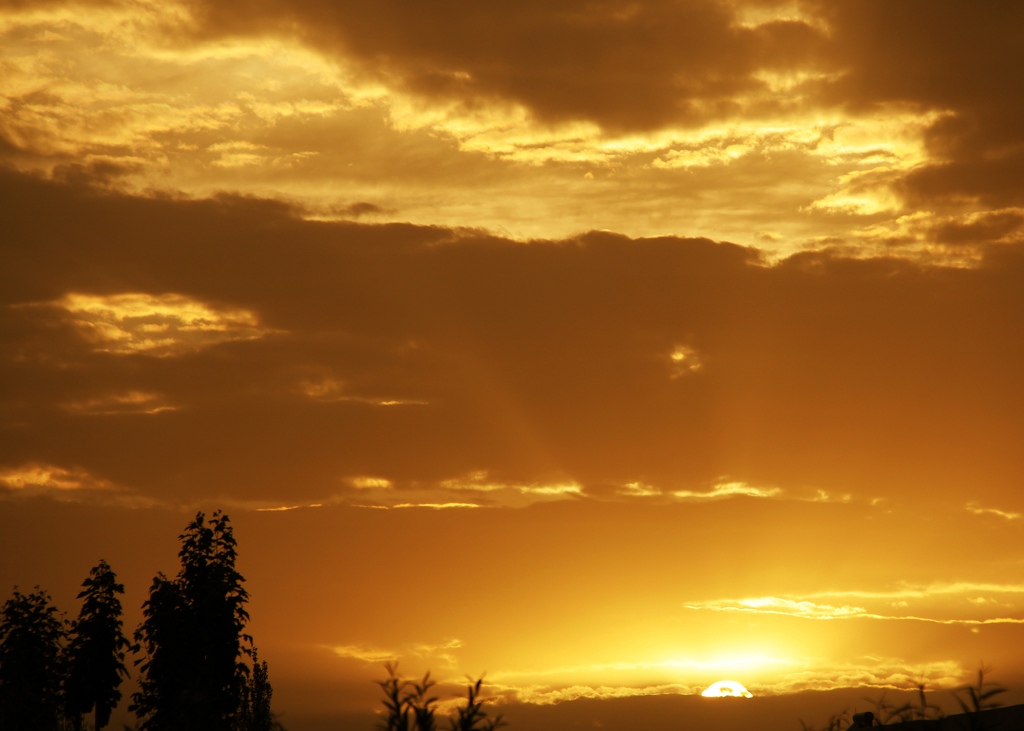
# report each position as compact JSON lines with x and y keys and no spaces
{"x":726,"y":689}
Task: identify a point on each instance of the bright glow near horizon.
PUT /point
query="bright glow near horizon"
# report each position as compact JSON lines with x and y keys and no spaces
{"x":726,"y":689}
{"x":609,"y":347}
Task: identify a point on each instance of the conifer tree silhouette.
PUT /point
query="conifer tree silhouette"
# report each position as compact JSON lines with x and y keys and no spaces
{"x":95,"y":652}
{"x":31,"y":640}
{"x":193,"y":672}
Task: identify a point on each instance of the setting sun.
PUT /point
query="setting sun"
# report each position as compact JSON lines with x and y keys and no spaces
{"x":726,"y":689}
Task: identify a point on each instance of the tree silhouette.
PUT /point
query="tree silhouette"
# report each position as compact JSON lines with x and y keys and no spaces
{"x":254,"y":713}
{"x":95,"y":653}
{"x":193,"y":672}
{"x":31,"y":637}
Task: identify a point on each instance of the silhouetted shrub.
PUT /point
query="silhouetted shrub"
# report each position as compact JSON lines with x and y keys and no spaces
{"x":410,"y":707}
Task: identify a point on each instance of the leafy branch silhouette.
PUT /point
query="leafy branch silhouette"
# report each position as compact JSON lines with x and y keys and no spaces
{"x":411,"y":707}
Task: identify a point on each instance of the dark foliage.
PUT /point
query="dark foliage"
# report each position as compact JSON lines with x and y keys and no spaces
{"x":395,"y":701}
{"x":472,"y":717}
{"x":95,"y":653}
{"x":193,"y":673}
{"x":31,"y":641}
{"x":254,"y":713}
{"x":411,"y":707}
{"x":979,"y":699}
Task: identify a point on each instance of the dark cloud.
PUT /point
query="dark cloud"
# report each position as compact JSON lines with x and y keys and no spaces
{"x":629,"y":67}
{"x":989,"y":227}
{"x":624,"y":66}
{"x":424,"y":354}
{"x":947,"y":57}
{"x":359,"y":209}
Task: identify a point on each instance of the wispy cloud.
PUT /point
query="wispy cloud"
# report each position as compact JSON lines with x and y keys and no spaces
{"x":436,"y":506}
{"x":546,"y":696}
{"x":130,"y":402}
{"x":808,"y":608}
{"x":480,"y":482}
{"x":869,"y":671}
{"x":38,"y":477}
{"x":973,"y":507}
{"x":639,"y":489}
{"x":66,"y":484}
{"x":331,"y":390}
{"x":286,"y":508}
{"x":366,"y":654}
{"x":434,"y":651}
{"x":370,"y":483}
{"x":727,"y":490}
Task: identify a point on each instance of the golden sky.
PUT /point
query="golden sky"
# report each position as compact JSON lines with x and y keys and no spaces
{"x":611,"y":348}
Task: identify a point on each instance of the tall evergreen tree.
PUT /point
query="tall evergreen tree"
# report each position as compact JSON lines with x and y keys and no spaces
{"x":95,"y":653}
{"x":193,"y":674}
{"x":31,"y":640}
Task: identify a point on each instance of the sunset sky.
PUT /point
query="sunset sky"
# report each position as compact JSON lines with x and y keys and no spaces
{"x":609,"y":348}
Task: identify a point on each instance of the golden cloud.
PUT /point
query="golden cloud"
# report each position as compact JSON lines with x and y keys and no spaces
{"x":437,"y":651}
{"x":329,"y":389}
{"x":479,"y":482}
{"x":129,"y":402}
{"x":806,"y":608}
{"x":436,"y":506}
{"x":728,"y":490}
{"x":366,"y":654}
{"x":875,"y":672}
{"x":37,"y":478}
{"x":156,"y":324}
{"x":973,"y":507}
{"x":66,"y":484}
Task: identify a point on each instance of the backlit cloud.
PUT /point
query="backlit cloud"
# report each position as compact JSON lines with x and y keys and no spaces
{"x":67,"y":485}
{"x":675,"y":334}
{"x":432,"y":651}
{"x":160,"y":325}
{"x":480,"y":482}
{"x":45,"y":478}
{"x":873,"y":672}
{"x":250,"y":101}
{"x":727,"y":490}
{"x":976,"y":509}
{"x":131,"y":402}
{"x":808,"y":609}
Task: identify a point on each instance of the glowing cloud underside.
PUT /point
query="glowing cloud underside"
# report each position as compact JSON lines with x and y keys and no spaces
{"x":728,"y":490}
{"x":156,"y":324}
{"x":46,"y":478}
{"x":726,"y":689}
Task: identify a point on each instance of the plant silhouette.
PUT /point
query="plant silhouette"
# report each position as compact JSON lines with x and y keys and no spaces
{"x":978,"y":699}
{"x":96,"y":650}
{"x":411,"y":707}
{"x":254,"y":711}
{"x":192,"y":674}
{"x":973,"y":700}
{"x":472,"y":717}
{"x":31,"y":663}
